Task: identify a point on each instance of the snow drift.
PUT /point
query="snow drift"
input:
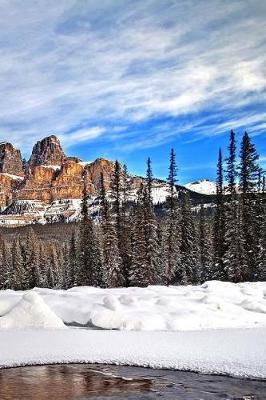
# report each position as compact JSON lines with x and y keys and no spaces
{"x":213,"y":305}
{"x":31,"y":312}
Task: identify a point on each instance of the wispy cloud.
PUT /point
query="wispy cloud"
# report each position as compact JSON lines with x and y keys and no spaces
{"x":110,"y":66}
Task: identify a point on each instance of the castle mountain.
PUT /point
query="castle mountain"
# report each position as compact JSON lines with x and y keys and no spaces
{"x":49,"y":186}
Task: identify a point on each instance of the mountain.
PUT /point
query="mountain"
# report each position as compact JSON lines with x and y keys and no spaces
{"x":204,"y":186}
{"x":50,"y":185}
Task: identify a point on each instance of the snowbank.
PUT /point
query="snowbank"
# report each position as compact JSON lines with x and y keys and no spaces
{"x":199,"y":328}
{"x":30,"y":312}
{"x":212,"y":305}
{"x":237,"y":352}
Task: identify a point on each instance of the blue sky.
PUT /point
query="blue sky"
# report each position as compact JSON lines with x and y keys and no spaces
{"x":127,"y":79}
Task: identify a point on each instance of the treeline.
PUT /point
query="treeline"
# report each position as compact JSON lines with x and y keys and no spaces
{"x":132,"y":246}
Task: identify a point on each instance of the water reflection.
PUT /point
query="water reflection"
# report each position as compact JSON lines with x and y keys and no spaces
{"x":81,"y":382}
{"x":65,"y":382}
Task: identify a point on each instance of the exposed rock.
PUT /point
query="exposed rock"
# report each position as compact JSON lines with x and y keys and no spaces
{"x":68,"y":184}
{"x":37,"y":185}
{"x":93,"y":173}
{"x":47,"y":152}
{"x":10,"y":160}
{"x":54,"y":184}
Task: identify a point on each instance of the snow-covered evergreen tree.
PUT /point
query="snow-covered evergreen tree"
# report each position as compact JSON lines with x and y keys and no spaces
{"x":137,"y":273}
{"x":72,"y":265}
{"x":89,"y":259}
{"x":111,"y":258}
{"x":172,"y":228}
{"x":18,"y":273}
{"x":234,"y":261}
{"x":153,"y":272}
{"x":188,"y":270}
{"x":5,"y":265}
{"x":248,"y":176}
{"x":219,"y":224}
{"x":205,"y":248}
{"x":125,"y":235}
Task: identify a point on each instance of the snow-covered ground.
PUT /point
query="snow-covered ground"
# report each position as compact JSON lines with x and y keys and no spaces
{"x":200,"y":328}
{"x":239,"y":352}
{"x":177,"y":308}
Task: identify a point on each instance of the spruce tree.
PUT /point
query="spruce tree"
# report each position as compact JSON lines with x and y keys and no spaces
{"x":248,"y":176}
{"x":231,"y":171}
{"x":72,"y":265}
{"x":219,"y":224}
{"x":205,"y":248}
{"x":89,"y":260}
{"x":18,"y":273}
{"x":5,"y":265}
{"x":125,"y":236}
{"x":233,"y":258}
{"x":172,"y":231}
{"x":188,"y":271}
{"x":111,"y":257}
{"x":153,"y":271}
{"x":138,"y":267}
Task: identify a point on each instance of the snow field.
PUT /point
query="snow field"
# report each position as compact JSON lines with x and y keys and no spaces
{"x":236,"y":352}
{"x":196,"y":328}
{"x":213,"y":305}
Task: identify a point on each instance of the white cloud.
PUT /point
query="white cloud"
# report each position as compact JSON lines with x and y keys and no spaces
{"x":81,"y":135}
{"x":66,"y":64}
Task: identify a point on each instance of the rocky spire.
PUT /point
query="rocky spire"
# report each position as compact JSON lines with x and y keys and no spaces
{"x":10,"y":160}
{"x":47,"y":151}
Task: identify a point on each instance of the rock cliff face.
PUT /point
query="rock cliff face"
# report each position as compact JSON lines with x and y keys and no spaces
{"x":10,"y":160}
{"x":50,"y":186}
{"x":47,"y":152}
{"x":50,"y":174}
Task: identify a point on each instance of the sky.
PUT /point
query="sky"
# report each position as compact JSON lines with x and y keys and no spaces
{"x":128,"y":79}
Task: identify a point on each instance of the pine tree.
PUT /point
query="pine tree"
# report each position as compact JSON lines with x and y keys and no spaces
{"x":72,"y":265}
{"x":43,"y":267}
{"x":89,"y":260}
{"x":248,"y":176}
{"x":138,"y":267}
{"x":5,"y":264}
{"x":17,"y":276}
{"x":188,"y":271}
{"x":172,"y":231}
{"x":125,"y":236}
{"x":231,"y":165}
{"x":35,"y":276}
{"x":260,"y":234}
{"x":219,"y":221}
{"x":205,"y":248}
{"x":233,"y":258}
{"x":111,"y":257}
{"x":153,"y":272}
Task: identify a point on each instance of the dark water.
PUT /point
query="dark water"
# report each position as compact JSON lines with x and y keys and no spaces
{"x":81,"y":381}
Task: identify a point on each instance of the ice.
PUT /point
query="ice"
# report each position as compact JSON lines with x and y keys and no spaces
{"x":30,"y":312}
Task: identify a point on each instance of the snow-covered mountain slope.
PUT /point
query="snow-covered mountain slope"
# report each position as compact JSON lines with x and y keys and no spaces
{"x":204,"y":186}
{"x":25,"y":212}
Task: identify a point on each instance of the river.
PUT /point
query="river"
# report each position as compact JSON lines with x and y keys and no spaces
{"x":83,"y":381}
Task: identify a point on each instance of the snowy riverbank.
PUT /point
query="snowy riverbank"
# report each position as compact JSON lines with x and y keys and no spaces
{"x":209,"y":306}
{"x":237,"y":352}
{"x":196,"y":328}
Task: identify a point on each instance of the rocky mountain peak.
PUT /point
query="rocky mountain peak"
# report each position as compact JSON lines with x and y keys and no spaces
{"x":10,"y":160}
{"x":47,"y":151}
